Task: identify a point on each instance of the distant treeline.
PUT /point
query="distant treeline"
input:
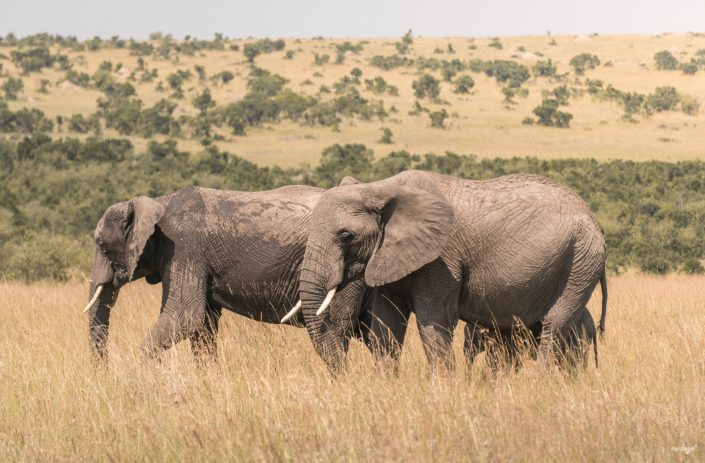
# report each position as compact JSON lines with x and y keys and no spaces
{"x":53,"y":191}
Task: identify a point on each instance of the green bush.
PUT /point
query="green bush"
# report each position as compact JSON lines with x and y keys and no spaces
{"x":203,"y":102}
{"x":689,"y":68}
{"x":690,"y":105}
{"x":665,"y":60}
{"x":35,"y":59}
{"x":404,"y":46}
{"x":11,"y":87}
{"x":463,"y":84}
{"x":81,"y":124}
{"x":386,"y":138}
{"x":663,"y":99}
{"x":426,"y":86}
{"x":254,"y":49}
{"x":388,"y":63}
{"x":23,"y":120}
{"x":544,"y":69}
{"x":264,"y":82}
{"x":693,"y":267}
{"x":292,"y":104}
{"x":549,"y":115}
{"x":438,"y":119}
{"x":495,"y":43}
{"x":584,"y":61}
{"x":42,"y":255}
{"x":509,"y":72}
{"x":223,"y":77}
{"x":379,"y":86}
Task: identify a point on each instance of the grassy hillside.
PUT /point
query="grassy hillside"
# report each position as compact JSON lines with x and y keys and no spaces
{"x":270,"y":398}
{"x":481,"y":122}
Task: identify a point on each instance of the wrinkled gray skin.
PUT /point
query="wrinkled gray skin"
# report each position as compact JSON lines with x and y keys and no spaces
{"x":212,"y":249}
{"x":519,"y":247}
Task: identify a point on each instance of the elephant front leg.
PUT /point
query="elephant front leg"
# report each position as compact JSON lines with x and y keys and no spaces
{"x":204,"y":338}
{"x":164,"y":334}
{"x":183,"y":310}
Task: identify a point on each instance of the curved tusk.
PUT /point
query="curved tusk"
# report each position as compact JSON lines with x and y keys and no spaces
{"x":98,"y":290}
{"x":292,"y":312}
{"x":326,"y":302}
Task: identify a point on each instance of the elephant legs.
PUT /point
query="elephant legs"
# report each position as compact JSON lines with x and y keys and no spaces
{"x":563,"y":324}
{"x":386,"y":324}
{"x":204,"y":338}
{"x":164,"y":334}
{"x":184,"y":313}
{"x":581,"y":335}
{"x":502,"y":347}
{"x":437,"y":317}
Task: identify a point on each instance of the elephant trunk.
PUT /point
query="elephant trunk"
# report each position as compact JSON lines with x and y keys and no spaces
{"x":321,"y":274}
{"x":99,"y":307}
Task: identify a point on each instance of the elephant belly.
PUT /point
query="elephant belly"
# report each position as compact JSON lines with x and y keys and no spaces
{"x":259,"y":301}
{"x":501,"y":298}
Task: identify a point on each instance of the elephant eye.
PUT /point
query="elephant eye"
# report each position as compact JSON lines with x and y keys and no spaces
{"x":346,"y":237}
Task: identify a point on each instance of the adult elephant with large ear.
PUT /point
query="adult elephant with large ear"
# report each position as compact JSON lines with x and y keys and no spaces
{"x":212,"y":249}
{"x":520,"y":247}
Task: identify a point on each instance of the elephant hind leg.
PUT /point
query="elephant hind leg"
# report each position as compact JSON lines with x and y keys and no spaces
{"x":475,"y":340}
{"x":581,"y":336}
{"x":560,"y":324}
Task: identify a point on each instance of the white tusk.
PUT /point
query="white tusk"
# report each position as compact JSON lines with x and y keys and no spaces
{"x":326,"y":302}
{"x":292,"y":312}
{"x":98,"y":290}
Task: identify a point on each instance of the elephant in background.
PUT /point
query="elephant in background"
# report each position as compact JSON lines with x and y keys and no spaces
{"x":212,"y":250}
{"x":519,"y":247}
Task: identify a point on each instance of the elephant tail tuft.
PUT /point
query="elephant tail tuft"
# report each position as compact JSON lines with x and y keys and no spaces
{"x":603,"y":315}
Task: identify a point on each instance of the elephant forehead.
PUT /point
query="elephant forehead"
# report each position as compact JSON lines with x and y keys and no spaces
{"x":110,"y":222}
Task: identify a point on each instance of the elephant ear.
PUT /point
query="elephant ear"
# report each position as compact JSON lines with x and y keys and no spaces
{"x":144,"y":214}
{"x":417,"y":225}
{"x":348,"y":180}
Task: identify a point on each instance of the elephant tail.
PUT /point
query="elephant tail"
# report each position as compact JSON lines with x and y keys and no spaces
{"x":603,"y":315}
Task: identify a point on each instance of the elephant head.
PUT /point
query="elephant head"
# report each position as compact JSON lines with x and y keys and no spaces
{"x":379,"y":232}
{"x":122,"y":241}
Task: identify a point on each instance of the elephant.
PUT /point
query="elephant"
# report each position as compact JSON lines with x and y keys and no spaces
{"x":518,"y":247}
{"x":211,"y":250}
{"x":504,"y":347}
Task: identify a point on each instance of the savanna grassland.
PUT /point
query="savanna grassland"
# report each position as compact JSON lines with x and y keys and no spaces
{"x":270,"y":398}
{"x":86,"y":124}
{"x":482,"y":122}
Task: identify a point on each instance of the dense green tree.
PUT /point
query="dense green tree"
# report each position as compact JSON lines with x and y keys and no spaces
{"x":404,"y":45}
{"x":663,"y":99}
{"x":665,"y":60}
{"x":549,"y":115}
{"x":544,"y":68}
{"x":426,"y":86}
{"x":386,"y":138}
{"x":203,"y":101}
{"x":463,"y":84}
{"x":11,"y":87}
{"x":438,"y":118}
{"x":584,"y":61}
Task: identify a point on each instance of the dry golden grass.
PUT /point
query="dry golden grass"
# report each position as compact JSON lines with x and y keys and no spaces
{"x":271,"y":399}
{"x":479,"y":124}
